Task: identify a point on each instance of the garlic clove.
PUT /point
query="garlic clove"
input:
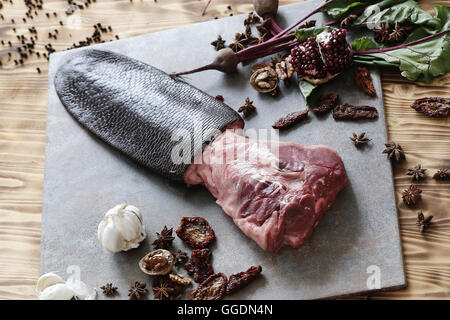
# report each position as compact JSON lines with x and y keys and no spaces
{"x":110,"y":238}
{"x":47,"y":280}
{"x":59,"y":291}
{"x":121,"y":229}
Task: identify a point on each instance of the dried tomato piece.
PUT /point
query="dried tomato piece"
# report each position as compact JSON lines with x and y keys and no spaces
{"x":196,"y":232}
{"x":432,"y":107}
{"x":348,"y":112}
{"x":326,"y":103}
{"x":199,"y":266}
{"x":364,"y":81}
{"x":213,"y":288}
{"x":239,"y":280}
{"x":290,"y":119}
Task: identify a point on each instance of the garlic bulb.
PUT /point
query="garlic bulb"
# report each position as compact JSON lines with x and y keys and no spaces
{"x":121,"y":229}
{"x":50,"y":286}
{"x":47,"y":280}
{"x":59,"y":291}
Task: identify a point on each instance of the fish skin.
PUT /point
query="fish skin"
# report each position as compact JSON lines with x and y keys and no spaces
{"x":135,"y":107}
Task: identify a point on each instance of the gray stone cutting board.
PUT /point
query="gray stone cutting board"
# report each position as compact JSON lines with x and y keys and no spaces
{"x":84,"y":178}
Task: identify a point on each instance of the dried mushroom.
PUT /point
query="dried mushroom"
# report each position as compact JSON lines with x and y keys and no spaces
{"x":264,"y":80}
{"x":158,"y":262}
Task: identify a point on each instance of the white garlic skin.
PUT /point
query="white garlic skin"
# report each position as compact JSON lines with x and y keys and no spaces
{"x":50,"y":286}
{"x":121,"y":229}
{"x":59,"y":291}
{"x":47,"y":280}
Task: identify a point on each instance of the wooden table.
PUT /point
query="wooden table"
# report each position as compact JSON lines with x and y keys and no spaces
{"x":23,"y":99}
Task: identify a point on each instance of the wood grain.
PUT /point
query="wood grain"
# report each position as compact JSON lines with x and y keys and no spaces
{"x":23,"y":97}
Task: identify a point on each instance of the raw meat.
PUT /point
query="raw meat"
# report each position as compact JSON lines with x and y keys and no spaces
{"x":275,"y":192}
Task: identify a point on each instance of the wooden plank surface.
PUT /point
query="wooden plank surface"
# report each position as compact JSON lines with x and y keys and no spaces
{"x":23,"y":98}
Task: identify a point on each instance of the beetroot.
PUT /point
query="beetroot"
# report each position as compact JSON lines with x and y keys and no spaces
{"x":266,"y":8}
{"x":226,"y":61}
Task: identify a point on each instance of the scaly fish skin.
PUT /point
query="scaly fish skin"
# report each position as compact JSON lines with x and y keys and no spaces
{"x":136,"y":108}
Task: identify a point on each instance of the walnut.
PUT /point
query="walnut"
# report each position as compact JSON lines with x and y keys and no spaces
{"x":264,"y":80}
{"x":284,"y":69}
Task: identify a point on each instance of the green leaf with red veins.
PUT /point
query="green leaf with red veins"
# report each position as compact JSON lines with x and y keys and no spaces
{"x":338,"y":8}
{"x":365,"y":43}
{"x":425,"y":60}
{"x":305,"y":33}
{"x":392,"y":11}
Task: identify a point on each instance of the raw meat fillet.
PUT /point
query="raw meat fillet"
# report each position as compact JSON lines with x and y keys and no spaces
{"x":275,"y":192}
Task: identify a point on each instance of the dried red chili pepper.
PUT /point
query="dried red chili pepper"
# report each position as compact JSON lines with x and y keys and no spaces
{"x":213,"y":288}
{"x":239,"y":280}
{"x":326,"y":103}
{"x":196,"y":232}
{"x":290,"y":119}
{"x":432,"y":107}
{"x":364,"y":81}
{"x":348,"y":112}
{"x":199,"y":266}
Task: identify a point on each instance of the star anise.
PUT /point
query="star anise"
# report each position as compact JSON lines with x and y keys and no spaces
{"x":251,"y":19}
{"x":248,"y":108}
{"x":137,"y":291}
{"x":422,"y":222}
{"x":416,"y":172}
{"x":219,"y":43}
{"x":240,"y":40}
{"x":180,"y":257}
{"x":398,"y":34}
{"x":162,"y":288}
{"x":263,"y":37}
{"x":411,"y":195}
{"x":394,"y":151}
{"x":348,"y":21}
{"x":308,"y":24}
{"x":442,"y":174}
{"x":164,"y":239}
{"x":264,"y":27}
{"x":250,"y":39}
{"x":108,"y":289}
{"x":360,"y":139}
{"x":382,"y":34}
